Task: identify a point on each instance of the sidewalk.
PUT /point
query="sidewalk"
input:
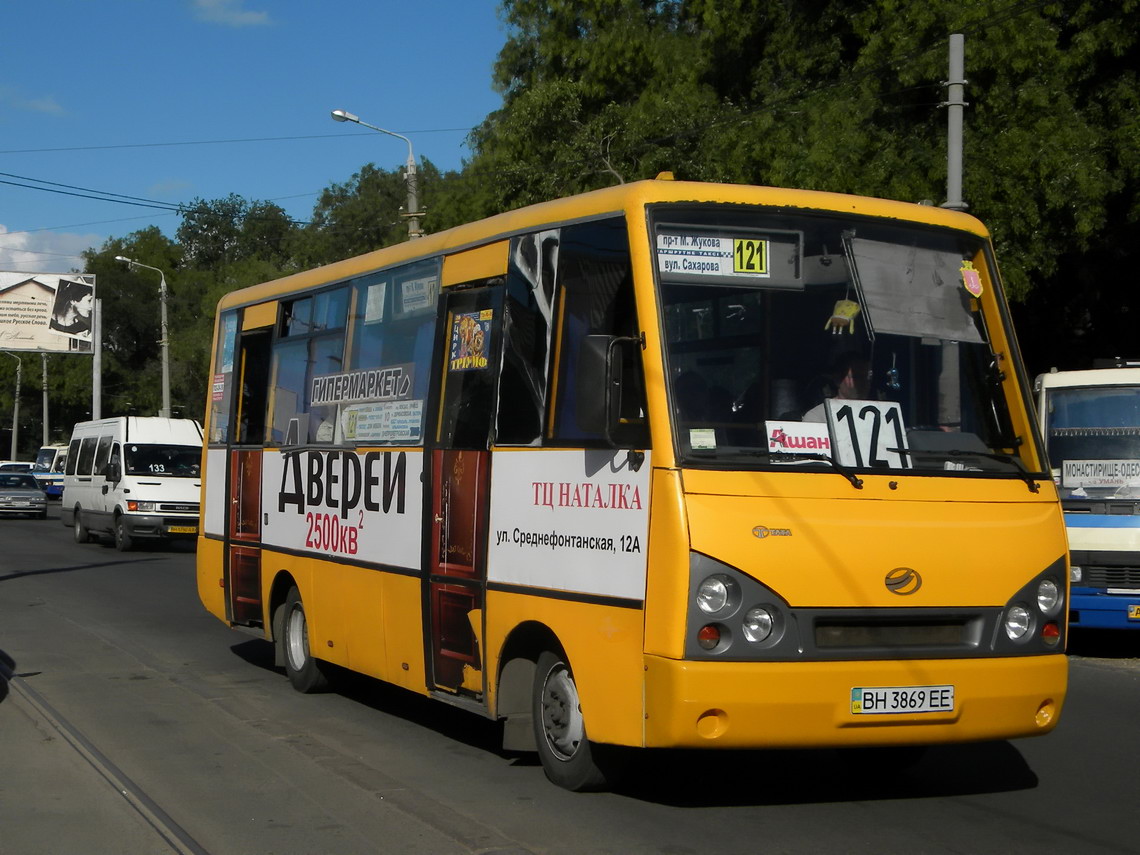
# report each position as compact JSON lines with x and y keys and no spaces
{"x":56,"y":798}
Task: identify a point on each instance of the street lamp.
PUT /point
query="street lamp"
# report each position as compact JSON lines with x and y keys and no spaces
{"x":165,"y":341}
{"x":413,"y":213}
{"x":16,"y":403}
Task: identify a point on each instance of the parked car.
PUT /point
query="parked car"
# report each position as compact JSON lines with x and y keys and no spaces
{"x":15,"y":466}
{"x":21,"y":494}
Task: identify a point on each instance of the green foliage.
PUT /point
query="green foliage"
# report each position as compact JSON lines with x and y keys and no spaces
{"x":838,"y":95}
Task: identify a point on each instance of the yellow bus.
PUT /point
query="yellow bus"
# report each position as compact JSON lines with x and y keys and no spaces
{"x":668,"y":464}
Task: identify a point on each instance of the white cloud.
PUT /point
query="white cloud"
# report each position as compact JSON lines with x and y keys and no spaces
{"x":44,"y":252}
{"x":18,"y":101}
{"x":228,"y":12}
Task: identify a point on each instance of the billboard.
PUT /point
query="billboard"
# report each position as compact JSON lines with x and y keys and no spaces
{"x":49,"y":312}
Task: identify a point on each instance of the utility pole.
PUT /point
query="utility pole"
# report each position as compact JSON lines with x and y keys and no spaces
{"x":43,"y":358}
{"x":955,"y":104}
{"x":16,"y":405}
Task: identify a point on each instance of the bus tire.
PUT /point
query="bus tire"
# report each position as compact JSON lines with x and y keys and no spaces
{"x":82,"y":535}
{"x":304,"y":672}
{"x":567,"y":756}
{"x":123,"y":540}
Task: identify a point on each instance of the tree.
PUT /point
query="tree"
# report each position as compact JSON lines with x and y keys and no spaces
{"x":844,"y":95}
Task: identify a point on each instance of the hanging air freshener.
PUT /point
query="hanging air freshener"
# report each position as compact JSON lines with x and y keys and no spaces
{"x":842,"y":317}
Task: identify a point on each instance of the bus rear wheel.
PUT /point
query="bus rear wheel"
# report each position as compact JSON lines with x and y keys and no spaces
{"x":567,"y":756}
{"x":305,"y":673}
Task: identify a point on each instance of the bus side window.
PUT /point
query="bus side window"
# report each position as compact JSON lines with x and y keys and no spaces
{"x":311,"y":345}
{"x":595,"y":294}
{"x":526,"y":338}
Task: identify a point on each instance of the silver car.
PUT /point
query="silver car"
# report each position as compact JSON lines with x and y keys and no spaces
{"x":21,"y":494}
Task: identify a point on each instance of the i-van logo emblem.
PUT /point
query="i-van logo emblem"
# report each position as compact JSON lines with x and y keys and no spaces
{"x":903,"y":581}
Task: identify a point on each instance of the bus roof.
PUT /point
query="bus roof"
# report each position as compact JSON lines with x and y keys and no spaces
{"x":610,"y":200}
{"x":1089,"y":377}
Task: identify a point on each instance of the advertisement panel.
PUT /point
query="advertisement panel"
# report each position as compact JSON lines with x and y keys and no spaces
{"x":50,"y":312}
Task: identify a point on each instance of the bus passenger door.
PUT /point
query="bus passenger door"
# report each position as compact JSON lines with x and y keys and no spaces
{"x":243,"y":514}
{"x":460,"y":489}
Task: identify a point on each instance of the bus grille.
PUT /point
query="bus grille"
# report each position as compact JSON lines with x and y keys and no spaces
{"x":833,"y":634}
{"x":1110,"y":577}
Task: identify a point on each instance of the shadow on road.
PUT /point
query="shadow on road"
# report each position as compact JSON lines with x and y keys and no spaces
{"x":694,"y":778}
{"x":1105,"y":643}
{"x":73,"y":568}
{"x":710,"y":778}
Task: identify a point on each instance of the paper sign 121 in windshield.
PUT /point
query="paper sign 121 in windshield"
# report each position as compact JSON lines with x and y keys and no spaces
{"x":868,"y":434}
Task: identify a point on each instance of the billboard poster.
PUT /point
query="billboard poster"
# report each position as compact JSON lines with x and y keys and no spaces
{"x":49,"y":312}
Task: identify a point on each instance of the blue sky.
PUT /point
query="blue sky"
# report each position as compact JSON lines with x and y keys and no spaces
{"x":171,"y":100}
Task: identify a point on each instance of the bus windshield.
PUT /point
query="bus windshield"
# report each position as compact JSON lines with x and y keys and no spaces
{"x":1093,"y":440}
{"x":795,"y":340}
{"x":45,"y":460}
{"x":177,"y":461}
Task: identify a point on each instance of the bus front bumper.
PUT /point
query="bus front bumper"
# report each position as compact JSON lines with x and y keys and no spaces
{"x":1090,"y":608}
{"x":809,"y":704}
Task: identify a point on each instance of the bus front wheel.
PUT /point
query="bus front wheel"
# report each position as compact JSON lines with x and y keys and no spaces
{"x":304,"y":671}
{"x":567,"y":756}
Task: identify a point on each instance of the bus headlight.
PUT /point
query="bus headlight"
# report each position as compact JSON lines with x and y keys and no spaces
{"x":1017,"y":622}
{"x":144,"y":507}
{"x":757,"y":624}
{"x":716,"y":593}
{"x":1048,"y":597}
{"x":1076,"y":574}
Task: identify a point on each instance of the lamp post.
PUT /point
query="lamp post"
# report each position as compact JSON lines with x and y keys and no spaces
{"x":165,"y":341}
{"x":413,"y":213}
{"x":16,"y":404}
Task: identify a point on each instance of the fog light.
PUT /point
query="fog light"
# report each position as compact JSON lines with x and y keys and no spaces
{"x":1075,"y":574}
{"x":1017,"y":621}
{"x":708,"y":637}
{"x":1051,"y":634}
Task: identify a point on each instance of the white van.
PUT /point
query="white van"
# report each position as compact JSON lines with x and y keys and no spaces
{"x":133,"y":478}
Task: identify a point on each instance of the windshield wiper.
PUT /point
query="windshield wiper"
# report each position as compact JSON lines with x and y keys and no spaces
{"x":855,"y":480}
{"x":1016,"y":462}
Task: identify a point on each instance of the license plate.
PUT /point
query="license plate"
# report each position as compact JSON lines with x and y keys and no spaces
{"x":182,"y":529}
{"x":884,"y":700}
{"x":1134,"y":612}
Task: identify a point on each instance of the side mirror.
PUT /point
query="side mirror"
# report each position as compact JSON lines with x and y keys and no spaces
{"x":592,"y":387}
{"x":112,"y":472}
{"x":600,"y":386}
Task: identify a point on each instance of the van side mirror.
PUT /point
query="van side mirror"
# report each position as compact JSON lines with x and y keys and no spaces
{"x":112,"y":472}
{"x":600,"y":385}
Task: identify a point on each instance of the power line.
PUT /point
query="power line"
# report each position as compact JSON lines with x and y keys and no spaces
{"x":87,"y":193}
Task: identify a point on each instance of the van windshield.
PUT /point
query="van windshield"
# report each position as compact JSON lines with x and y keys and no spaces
{"x":177,"y":461}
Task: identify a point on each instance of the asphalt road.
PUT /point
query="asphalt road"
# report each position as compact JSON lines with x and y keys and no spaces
{"x":140,"y":724}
